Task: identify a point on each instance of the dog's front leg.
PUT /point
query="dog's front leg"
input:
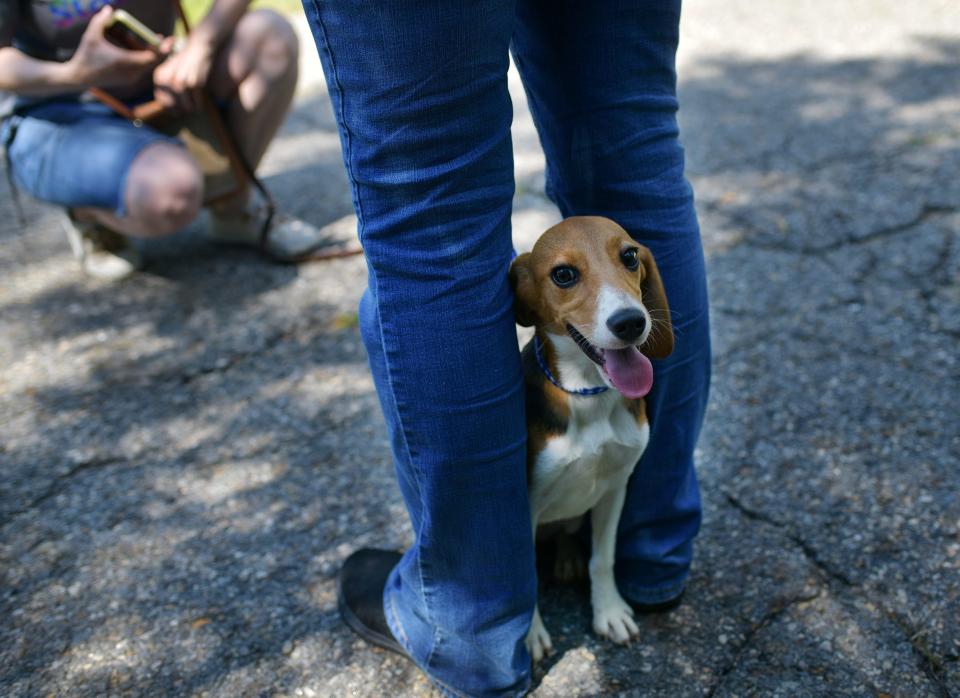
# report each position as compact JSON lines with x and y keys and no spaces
{"x":538,"y":639}
{"x":612,"y":617}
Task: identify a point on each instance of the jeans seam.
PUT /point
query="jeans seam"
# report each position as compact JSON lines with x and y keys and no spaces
{"x":341,"y":119}
{"x":404,"y":640}
{"x":405,"y":643}
{"x":348,"y":161}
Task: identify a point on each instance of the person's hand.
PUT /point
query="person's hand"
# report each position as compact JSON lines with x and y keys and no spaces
{"x":99,"y":63}
{"x":179,"y":79}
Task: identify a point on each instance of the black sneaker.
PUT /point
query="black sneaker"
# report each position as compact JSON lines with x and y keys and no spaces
{"x":360,"y":585}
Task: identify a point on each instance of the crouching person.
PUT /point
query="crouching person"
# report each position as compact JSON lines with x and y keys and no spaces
{"x":117,"y":179}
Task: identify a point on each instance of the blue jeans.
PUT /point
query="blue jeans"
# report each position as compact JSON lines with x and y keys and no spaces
{"x":420,"y":94}
{"x":74,"y":153}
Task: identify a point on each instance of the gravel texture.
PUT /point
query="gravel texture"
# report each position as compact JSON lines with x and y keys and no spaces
{"x":188,"y":455}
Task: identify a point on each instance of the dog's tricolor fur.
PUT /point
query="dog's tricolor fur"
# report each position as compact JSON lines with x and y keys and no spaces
{"x":582,"y":449}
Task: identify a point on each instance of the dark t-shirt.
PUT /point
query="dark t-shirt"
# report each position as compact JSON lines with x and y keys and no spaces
{"x":50,"y":30}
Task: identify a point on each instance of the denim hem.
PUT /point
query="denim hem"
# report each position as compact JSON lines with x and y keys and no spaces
{"x":647,"y":595}
{"x":393,"y":622}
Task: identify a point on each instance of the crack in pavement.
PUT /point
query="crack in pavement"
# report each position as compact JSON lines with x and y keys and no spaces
{"x":748,"y":637}
{"x":926,"y":213}
{"x":56,"y":485}
{"x":225,"y":363}
{"x":928,"y":661}
{"x":767,"y":165}
{"x":932,"y":665}
{"x":808,"y":550}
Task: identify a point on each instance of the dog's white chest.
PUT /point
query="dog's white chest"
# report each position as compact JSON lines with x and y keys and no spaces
{"x":598,"y":452}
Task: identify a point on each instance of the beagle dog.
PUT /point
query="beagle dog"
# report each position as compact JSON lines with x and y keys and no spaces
{"x":597,"y":302}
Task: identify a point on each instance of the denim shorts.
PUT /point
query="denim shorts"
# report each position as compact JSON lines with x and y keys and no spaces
{"x":73,"y":153}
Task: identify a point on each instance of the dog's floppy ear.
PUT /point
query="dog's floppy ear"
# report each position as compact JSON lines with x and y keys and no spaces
{"x":521,"y":280}
{"x":659,"y":344}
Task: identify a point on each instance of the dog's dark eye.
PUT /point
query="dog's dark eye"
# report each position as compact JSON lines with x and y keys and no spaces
{"x":564,"y":276}
{"x":630,"y":259}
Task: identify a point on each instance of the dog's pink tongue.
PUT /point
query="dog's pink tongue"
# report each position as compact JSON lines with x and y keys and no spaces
{"x":630,"y":371}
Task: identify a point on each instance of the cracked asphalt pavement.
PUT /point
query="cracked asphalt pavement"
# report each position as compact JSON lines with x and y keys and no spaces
{"x":187,"y":456}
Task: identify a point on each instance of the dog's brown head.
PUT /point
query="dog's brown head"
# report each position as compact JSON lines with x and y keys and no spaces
{"x":587,"y":278}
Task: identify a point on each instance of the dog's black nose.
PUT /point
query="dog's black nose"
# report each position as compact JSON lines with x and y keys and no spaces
{"x":627,"y":324}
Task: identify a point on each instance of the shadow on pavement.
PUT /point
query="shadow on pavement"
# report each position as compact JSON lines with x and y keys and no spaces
{"x":176,"y":504}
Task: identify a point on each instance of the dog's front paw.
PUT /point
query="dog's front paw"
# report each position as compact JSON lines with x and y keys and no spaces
{"x":613,"y":619}
{"x":538,"y":640}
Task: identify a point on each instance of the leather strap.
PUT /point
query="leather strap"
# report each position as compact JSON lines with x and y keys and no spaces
{"x":12,"y":124}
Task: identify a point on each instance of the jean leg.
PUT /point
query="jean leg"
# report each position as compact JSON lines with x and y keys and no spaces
{"x":601,"y":83}
{"x":72,"y":154}
{"x":420,"y":94}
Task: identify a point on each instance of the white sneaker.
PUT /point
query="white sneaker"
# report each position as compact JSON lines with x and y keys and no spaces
{"x":289,"y":239}
{"x":102,"y":253}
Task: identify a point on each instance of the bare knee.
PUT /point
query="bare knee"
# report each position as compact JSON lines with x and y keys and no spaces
{"x":164,"y":190}
{"x":277,"y":48}
{"x":260,"y":62}
{"x":275,"y":35}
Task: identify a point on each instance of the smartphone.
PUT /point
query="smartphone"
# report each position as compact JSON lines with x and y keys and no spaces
{"x":128,"y":32}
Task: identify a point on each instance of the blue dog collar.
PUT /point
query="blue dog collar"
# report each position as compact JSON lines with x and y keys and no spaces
{"x":546,"y":371}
